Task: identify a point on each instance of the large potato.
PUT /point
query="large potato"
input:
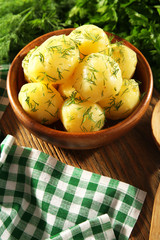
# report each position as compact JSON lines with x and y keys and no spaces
{"x":89,"y":39}
{"x":53,"y":61}
{"x":81,"y":116}
{"x":125,"y":57}
{"x":41,"y":101}
{"x":97,"y":76}
{"x":121,"y":105}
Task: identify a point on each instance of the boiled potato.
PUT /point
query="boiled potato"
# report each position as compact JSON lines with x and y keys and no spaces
{"x":121,"y":105}
{"x":97,"y":76}
{"x":53,"y":61}
{"x":25,"y":65}
{"x":125,"y":57}
{"x":92,"y":74}
{"x":81,"y":116}
{"x":89,"y":39}
{"x":66,"y":89}
{"x":41,"y":101}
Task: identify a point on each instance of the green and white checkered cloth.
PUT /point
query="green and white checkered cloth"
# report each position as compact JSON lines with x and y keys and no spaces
{"x":43,"y":198}
{"x":3,"y":92}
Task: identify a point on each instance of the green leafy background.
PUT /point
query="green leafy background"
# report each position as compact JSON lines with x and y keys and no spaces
{"x":135,"y":20}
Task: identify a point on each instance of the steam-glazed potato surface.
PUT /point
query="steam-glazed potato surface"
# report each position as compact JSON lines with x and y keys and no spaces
{"x":41,"y":101}
{"x":97,"y":76}
{"x":122,"y":104}
{"x":78,"y":115}
{"x":53,"y":61}
{"x":89,"y":39}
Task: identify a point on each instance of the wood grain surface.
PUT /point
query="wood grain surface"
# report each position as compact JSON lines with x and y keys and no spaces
{"x":155,"y":223}
{"x":134,"y":159}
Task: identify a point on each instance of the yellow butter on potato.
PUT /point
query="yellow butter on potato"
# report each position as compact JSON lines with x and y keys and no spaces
{"x":41,"y":101}
{"x":121,"y":105}
{"x":125,"y":57}
{"x":89,"y":39}
{"x":97,"y":76}
{"x":81,"y":116}
{"x":53,"y":61}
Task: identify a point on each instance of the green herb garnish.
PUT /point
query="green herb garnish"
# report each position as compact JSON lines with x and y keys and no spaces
{"x":136,"y":21}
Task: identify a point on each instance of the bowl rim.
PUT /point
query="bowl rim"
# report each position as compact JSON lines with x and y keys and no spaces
{"x":124,"y":124}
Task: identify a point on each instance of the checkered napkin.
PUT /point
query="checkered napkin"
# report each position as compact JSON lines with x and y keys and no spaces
{"x":42,"y":198}
{"x":3,"y":92}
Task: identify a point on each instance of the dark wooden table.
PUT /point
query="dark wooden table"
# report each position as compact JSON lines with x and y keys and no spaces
{"x":134,"y":158}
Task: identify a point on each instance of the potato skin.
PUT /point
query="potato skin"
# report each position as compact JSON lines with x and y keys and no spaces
{"x":89,"y":39}
{"x":125,"y":57}
{"x":121,"y":105}
{"x":53,"y":61}
{"x":97,"y":77}
{"x":41,"y":101}
{"x":81,"y":116}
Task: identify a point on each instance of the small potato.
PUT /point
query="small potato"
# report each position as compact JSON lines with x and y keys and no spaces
{"x":41,"y":101}
{"x":89,"y":39}
{"x":53,"y":61}
{"x":66,"y":89}
{"x":81,"y":116}
{"x":97,"y":76}
{"x":25,"y":65}
{"x":121,"y":105}
{"x":125,"y":57}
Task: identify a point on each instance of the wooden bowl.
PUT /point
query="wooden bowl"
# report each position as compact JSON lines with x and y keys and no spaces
{"x":55,"y":134}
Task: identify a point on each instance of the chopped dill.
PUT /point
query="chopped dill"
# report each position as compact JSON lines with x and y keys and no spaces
{"x":125,"y":91}
{"x":59,"y":74}
{"x":49,"y":78}
{"x":34,"y":90}
{"x":115,"y":70}
{"x":49,"y":102}
{"x":64,"y":52}
{"x":142,"y":95}
{"x":33,"y":106}
{"x":53,"y":115}
{"x":73,"y":99}
{"x":41,"y":57}
{"x":113,"y":104}
{"x":48,"y":88}
{"x":92,"y":37}
{"x":99,"y":124}
{"x":71,"y":118}
{"x":91,"y":78}
{"x":83,"y":129}
{"x":87,"y":115}
{"x":44,"y":120}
